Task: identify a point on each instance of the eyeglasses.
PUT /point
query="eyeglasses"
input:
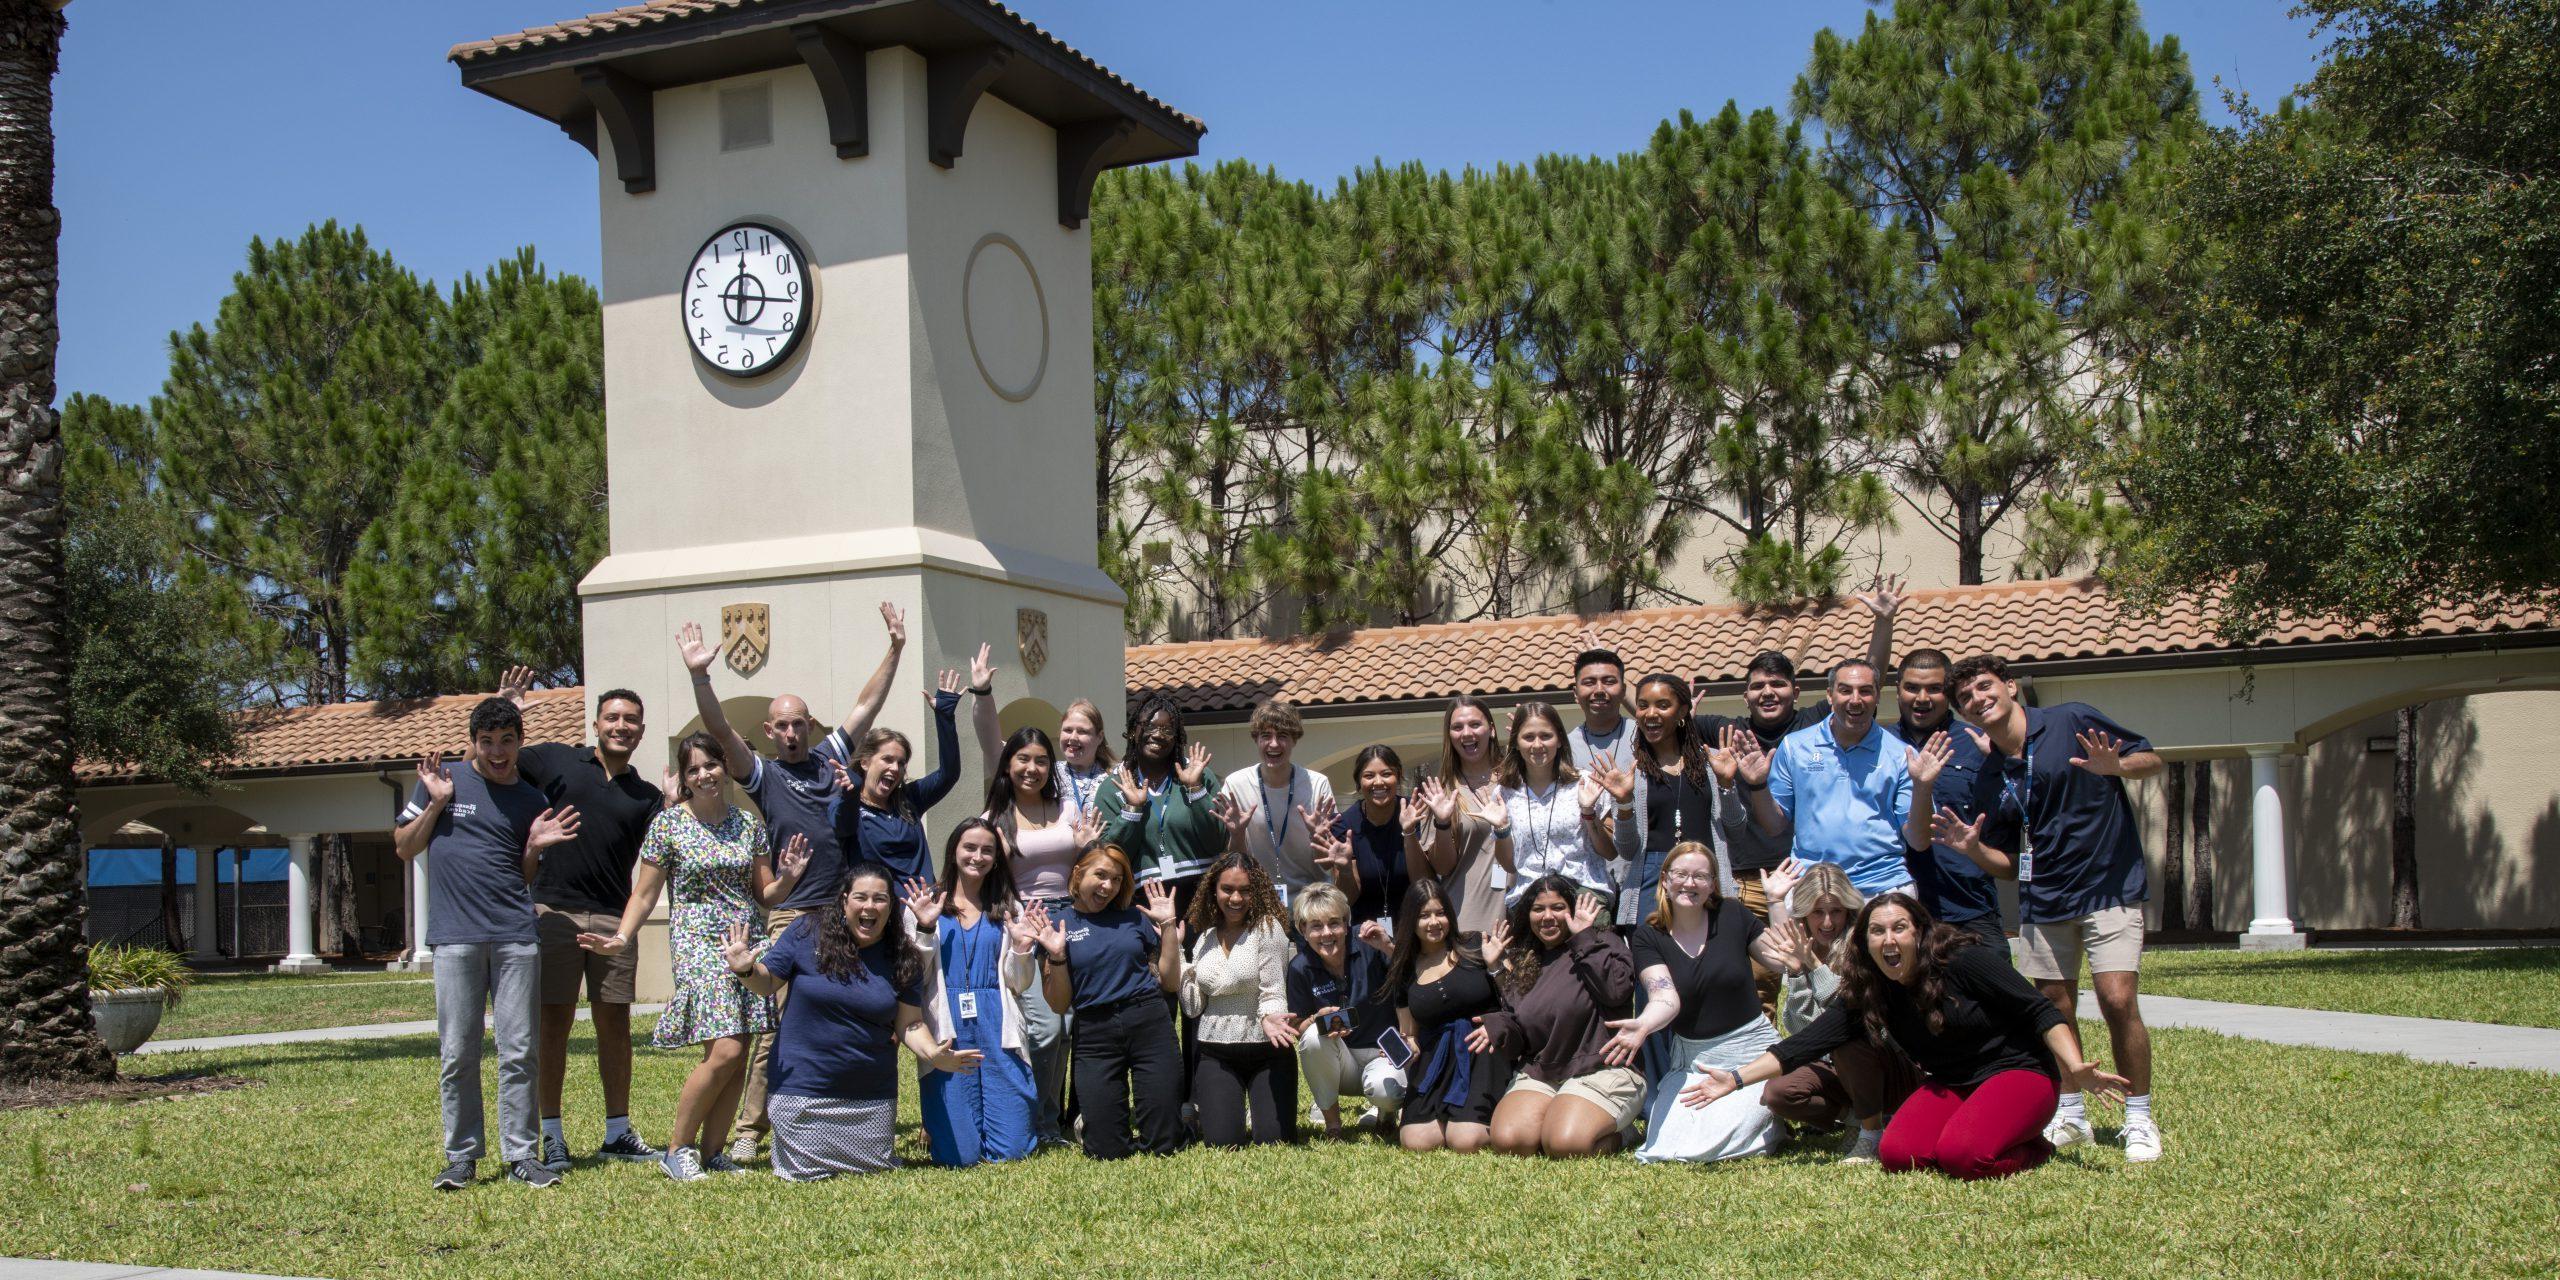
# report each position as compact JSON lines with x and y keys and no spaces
{"x":1689,"y":877}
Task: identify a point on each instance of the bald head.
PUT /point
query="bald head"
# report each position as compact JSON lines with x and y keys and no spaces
{"x":791,"y":728}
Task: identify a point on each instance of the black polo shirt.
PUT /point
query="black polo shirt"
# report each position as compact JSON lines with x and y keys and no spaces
{"x":1953,"y":887}
{"x":592,"y":872}
{"x":2085,"y":851}
{"x":1749,"y":848}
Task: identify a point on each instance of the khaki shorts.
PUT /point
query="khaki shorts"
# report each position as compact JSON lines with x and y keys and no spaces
{"x":1619,"y":1091}
{"x":566,"y":966}
{"x":2111,"y":936}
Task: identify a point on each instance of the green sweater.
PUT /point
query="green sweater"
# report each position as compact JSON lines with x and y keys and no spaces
{"x":1173,"y":837}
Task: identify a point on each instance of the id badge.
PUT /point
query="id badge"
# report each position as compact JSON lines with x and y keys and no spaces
{"x":2026,"y":858}
{"x":969,"y":1006}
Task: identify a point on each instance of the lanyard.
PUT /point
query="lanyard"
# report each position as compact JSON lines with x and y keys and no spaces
{"x":1538,"y":819}
{"x":1081,"y":784}
{"x":1281,"y":831}
{"x":2019,"y":791}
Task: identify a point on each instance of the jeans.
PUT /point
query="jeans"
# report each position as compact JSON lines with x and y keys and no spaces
{"x":505,"y":979}
{"x":1046,"y":1033}
{"x":1122,"y":1049}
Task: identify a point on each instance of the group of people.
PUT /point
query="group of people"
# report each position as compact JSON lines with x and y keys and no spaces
{"x":1678,"y":933}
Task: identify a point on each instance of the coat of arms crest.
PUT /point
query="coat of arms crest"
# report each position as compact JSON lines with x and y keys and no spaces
{"x":746,"y":635}
{"x":1031,"y":628}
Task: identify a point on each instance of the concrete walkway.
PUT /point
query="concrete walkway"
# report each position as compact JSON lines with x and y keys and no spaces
{"x":2462,"y":1044}
{"x":33,"y":1269}
{"x":368,"y":1031}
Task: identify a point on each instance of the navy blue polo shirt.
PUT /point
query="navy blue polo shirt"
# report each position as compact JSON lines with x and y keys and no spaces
{"x":1111,"y":956}
{"x":2081,"y":852}
{"x":1358,"y":991}
{"x":1951,"y":886}
{"x":1378,"y":852}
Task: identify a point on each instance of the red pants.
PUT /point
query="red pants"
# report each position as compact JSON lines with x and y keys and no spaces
{"x":1992,"y":1130}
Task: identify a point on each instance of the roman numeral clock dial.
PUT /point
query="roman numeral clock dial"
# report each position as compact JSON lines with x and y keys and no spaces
{"x":746,"y":299}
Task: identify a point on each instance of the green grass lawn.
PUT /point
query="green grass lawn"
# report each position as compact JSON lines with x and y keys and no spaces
{"x":231,"y":1005}
{"x":2515,"y":985}
{"x":2281,"y":1162}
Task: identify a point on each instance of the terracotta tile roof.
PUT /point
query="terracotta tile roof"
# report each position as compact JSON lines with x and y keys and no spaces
{"x":2047,"y":621}
{"x":656,"y":12}
{"x":369,"y":734}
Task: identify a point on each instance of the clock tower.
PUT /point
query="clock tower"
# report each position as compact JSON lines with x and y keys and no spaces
{"x":848,"y":341}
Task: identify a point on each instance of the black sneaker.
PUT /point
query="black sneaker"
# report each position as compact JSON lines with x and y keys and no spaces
{"x":555,"y":1154}
{"x":533,"y":1173}
{"x":630,"y":1146}
{"x":457,"y":1175}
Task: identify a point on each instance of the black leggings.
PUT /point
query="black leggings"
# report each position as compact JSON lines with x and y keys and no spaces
{"x":1232,"y":1078}
{"x":1121,"y":1047}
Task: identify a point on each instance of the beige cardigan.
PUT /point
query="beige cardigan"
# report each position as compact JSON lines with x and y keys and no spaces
{"x":1230,"y":991}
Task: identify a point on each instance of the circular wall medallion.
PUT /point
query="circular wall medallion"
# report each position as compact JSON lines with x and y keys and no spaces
{"x":1007,"y":317}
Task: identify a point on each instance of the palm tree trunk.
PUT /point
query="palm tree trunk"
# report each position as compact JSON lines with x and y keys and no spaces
{"x":45,"y":1028}
{"x":2404,"y":819}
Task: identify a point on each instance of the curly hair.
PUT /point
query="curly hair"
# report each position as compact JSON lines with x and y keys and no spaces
{"x":1863,"y":984}
{"x":1685,"y":738}
{"x":1262,"y":902}
{"x":840,"y":953}
{"x":1516,"y":969}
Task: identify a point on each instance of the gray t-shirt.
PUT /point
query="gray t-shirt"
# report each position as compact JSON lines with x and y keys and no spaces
{"x":793,"y":799}
{"x":475,"y":860}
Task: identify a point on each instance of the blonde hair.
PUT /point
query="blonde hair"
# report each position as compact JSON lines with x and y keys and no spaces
{"x":1660,"y":916}
{"x":1318,"y":899}
{"x":1825,"y":880}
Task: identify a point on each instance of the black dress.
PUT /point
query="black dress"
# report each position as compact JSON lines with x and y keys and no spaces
{"x":1450,"y":1084}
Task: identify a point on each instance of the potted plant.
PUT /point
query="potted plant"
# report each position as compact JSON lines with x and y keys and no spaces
{"x":129,"y":987}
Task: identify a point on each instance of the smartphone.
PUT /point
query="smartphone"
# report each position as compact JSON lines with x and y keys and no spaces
{"x":1399,"y":1051}
{"x":1337,"y":1021}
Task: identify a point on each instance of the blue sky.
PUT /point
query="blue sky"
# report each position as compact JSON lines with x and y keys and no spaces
{"x":186,"y":128}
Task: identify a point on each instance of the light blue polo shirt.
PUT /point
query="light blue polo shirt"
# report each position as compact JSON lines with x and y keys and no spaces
{"x":1847,"y":804}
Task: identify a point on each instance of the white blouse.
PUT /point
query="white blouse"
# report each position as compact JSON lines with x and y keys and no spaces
{"x":1230,"y":990}
{"x":1548,"y":837}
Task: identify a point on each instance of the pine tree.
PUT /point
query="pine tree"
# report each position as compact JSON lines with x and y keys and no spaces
{"x":2015,"y":147}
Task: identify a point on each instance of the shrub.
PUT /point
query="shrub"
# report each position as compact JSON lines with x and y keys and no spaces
{"x":116,"y":967}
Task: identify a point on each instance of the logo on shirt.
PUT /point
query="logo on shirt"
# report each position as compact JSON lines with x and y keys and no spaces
{"x":1080,"y":933}
{"x":461,"y":809}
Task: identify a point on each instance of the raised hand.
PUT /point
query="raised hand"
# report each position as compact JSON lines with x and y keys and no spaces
{"x":515,"y":683}
{"x":1722,"y":762}
{"x":1022,"y":929}
{"x":845,"y":781}
{"x":1931,"y":758}
{"x":1439,"y":799}
{"x":1586,"y":910}
{"x":1411,"y":811}
{"x":1332,"y":852}
{"x":1587,"y":792}
{"x":1956,"y":833}
{"x":1751,"y":764}
{"x":1497,"y":940}
{"x":2100,"y":753}
{"x":1159,"y":906}
{"x":947,"y":682}
{"x":1480,"y":1040}
{"x":671,"y":786}
{"x":1883,"y":596}
{"x":923,"y":902}
{"x":1193,"y":766}
{"x":1790,"y":940}
{"x":1780,"y":880}
{"x":792,"y":858}
{"x":552,"y":826}
{"x":1133,"y":793}
{"x":1235,"y":814}
{"x":1619,"y":782}
{"x":689,"y":646}
{"x":895,"y":620}
{"x":431,"y":775}
{"x":1622,"y":1048}
{"x":1375,"y":933}
{"x":1498,"y":816}
{"x":982,"y":673}
{"x":1047,"y":930}
{"x":739,"y":952}
{"x":956,"y":1061}
{"x":1088,"y":826}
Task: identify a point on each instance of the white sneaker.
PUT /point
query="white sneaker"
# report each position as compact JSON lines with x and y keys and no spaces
{"x":742,"y":1147}
{"x":2064,"y":1132}
{"x":2141,"y":1140}
{"x":1866,"y":1147}
{"x":684,"y":1164}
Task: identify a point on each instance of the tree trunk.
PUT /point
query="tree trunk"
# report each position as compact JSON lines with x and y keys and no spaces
{"x":45,"y":1028}
{"x":337,"y":930}
{"x":2404,"y":818}
{"x":2200,"y":839}
{"x":2173,"y":858}
{"x":1969,"y":535}
{"x":173,"y":925}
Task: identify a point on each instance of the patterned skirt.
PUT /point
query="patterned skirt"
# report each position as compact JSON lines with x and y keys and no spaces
{"x":817,"y":1138}
{"x":709,"y":1001}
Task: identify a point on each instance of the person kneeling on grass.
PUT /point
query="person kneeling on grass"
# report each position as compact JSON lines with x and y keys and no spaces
{"x":855,"y":981}
{"x":1859,"y":1081}
{"x":1338,"y":993}
{"x":1564,"y":974}
{"x":1991,"y":1049}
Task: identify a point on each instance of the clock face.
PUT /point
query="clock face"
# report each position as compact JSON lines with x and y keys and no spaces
{"x":746,"y":299}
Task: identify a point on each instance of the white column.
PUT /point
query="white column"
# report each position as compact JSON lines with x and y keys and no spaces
{"x":2271,"y":926}
{"x":299,"y":955}
{"x":203,"y":947}
{"x":422,"y":958}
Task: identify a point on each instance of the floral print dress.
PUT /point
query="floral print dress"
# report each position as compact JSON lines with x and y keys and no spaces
{"x":711,"y":889}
